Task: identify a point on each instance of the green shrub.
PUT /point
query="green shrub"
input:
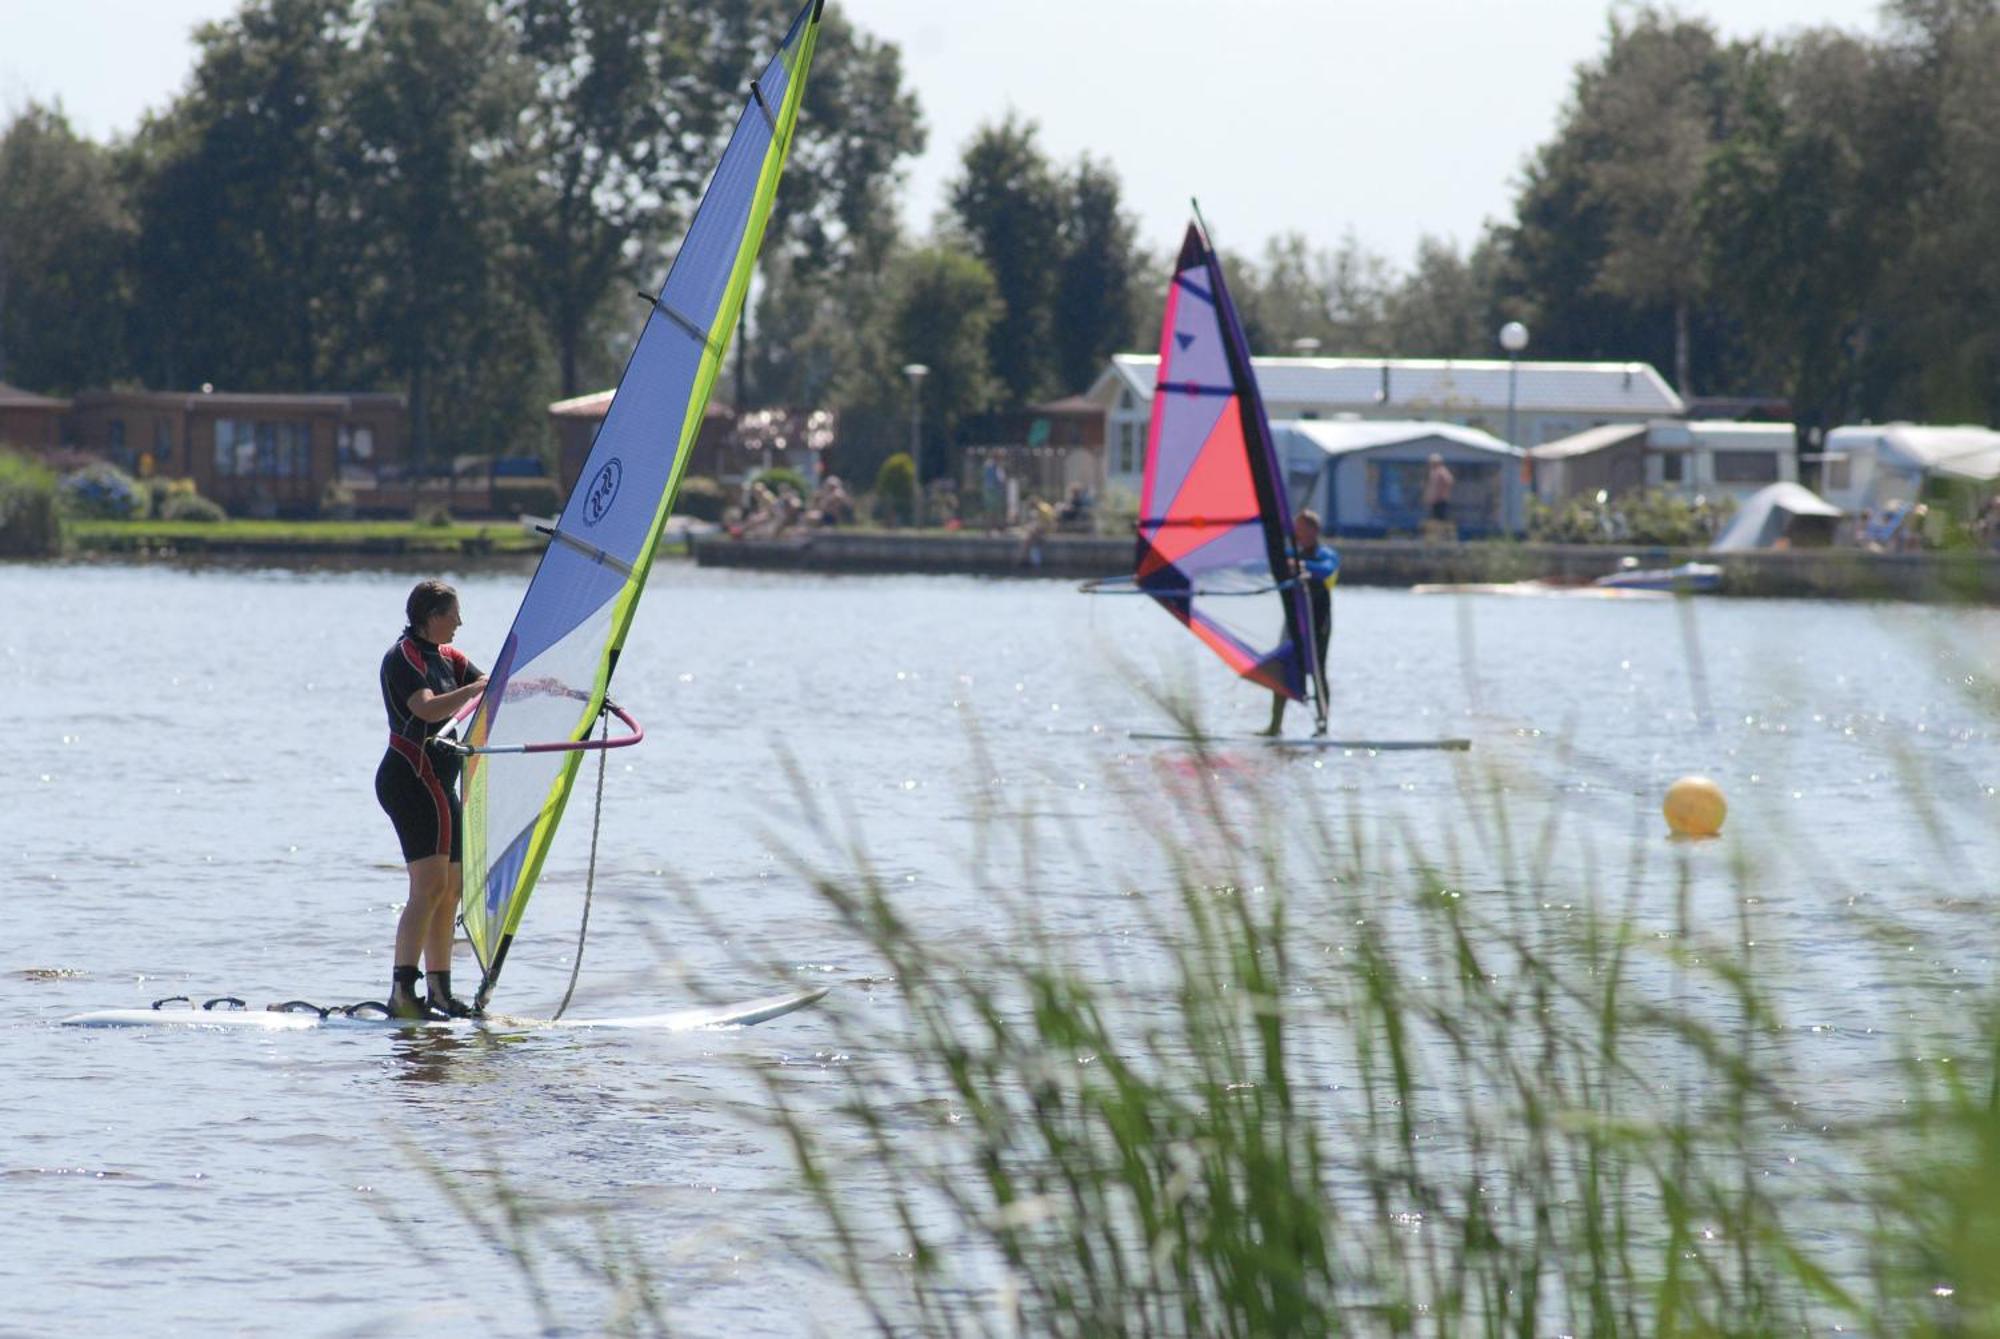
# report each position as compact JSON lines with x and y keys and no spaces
{"x":192,"y":507}
{"x":103,"y":492}
{"x":30,"y":524}
{"x":158,"y":490}
{"x":702,"y":498}
{"x":336,"y":501}
{"x":435,"y":515}
{"x":896,"y":490}
{"x":1655,"y":516}
{"x":780,"y":476}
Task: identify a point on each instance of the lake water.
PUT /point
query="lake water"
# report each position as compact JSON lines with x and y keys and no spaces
{"x":186,"y":808}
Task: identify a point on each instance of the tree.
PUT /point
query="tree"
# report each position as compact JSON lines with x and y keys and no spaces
{"x":243,"y":272}
{"x":1444,"y":307}
{"x":940,"y":310}
{"x":64,"y":228}
{"x":1007,"y":204}
{"x":1334,"y":296}
{"x":1601,"y":261}
{"x":612,"y":142}
{"x":1095,"y":299}
{"x":436,"y":93}
{"x":1948,"y":284}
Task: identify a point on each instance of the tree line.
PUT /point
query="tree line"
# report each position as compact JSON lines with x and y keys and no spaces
{"x":457,"y":198}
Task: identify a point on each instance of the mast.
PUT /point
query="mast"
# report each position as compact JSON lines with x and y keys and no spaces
{"x":554,"y":669}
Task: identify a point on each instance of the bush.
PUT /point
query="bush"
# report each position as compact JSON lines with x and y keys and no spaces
{"x":435,"y":515}
{"x":159,"y":491}
{"x":702,"y":498}
{"x":192,"y":507}
{"x":896,"y":490}
{"x":1655,"y":516}
{"x":336,"y":501}
{"x":103,"y":492}
{"x":781,"y":476}
{"x":30,"y":524}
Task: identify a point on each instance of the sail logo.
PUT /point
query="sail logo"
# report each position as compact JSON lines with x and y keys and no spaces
{"x":603,"y":491}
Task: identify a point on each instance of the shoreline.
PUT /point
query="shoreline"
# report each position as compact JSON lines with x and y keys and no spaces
{"x":1833,"y":573}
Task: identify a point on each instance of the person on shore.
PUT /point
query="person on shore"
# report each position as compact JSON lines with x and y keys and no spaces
{"x":1437,"y":495}
{"x":425,"y":682}
{"x":1317,"y":565}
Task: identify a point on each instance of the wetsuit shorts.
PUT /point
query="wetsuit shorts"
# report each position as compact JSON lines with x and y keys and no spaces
{"x":423,"y":806}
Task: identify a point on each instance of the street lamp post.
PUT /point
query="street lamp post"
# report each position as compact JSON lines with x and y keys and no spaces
{"x":916,"y":372}
{"x":1514,"y":338}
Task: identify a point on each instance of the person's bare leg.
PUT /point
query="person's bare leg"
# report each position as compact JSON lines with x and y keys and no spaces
{"x":438,"y":942}
{"x":427,"y":887}
{"x":1277,"y":724}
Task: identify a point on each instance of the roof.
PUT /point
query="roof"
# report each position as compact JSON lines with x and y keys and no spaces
{"x":1069,"y":404}
{"x":1601,"y":438}
{"x":1430,"y":384}
{"x":190,"y":400}
{"x":597,"y":403}
{"x":1966,"y":450}
{"x":13,"y":397}
{"x":1338,"y":437}
{"x":1721,"y":434}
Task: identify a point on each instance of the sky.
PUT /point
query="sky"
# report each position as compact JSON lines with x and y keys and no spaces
{"x":1322,"y":117}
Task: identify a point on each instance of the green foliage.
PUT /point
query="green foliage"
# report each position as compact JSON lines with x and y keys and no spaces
{"x":1008,"y":203}
{"x":1659,"y":517}
{"x":782,"y":476}
{"x":896,"y":490}
{"x":1095,"y":305}
{"x":192,"y":507}
{"x":64,"y":228}
{"x":433,"y":516}
{"x":102,"y":491}
{"x":30,"y":520}
{"x":702,"y":498}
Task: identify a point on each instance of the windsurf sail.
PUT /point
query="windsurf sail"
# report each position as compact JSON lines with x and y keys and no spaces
{"x":549,"y":681}
{"x":1214,"y":524}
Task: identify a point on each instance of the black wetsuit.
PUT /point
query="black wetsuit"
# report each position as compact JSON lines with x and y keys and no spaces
{"x":417,"y":785}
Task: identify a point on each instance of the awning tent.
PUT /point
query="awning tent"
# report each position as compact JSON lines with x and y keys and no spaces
{"x":1781,"y":511}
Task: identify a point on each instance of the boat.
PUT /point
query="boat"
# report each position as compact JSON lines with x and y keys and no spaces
{"x":1214,"y":525}
{"x":1686,"y":579}
{"x":549,"y":686}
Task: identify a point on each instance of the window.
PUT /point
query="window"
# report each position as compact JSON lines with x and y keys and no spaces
{"x":1128,"y":450}
{"x":1839,"y":472}
{"x":261,"y":450}
{"x":1673,"y":467}
{"x":1746,"y":467}
{"x":355,"y":452}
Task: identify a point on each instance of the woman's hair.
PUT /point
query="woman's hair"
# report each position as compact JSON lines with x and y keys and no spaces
{"x":426,"y":599}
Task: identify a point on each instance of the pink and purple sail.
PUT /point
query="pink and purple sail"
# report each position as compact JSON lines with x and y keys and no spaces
{"x":1214,"y":522}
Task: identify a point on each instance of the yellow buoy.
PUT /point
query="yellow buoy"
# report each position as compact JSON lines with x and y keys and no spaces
{"x":1695,"y":807}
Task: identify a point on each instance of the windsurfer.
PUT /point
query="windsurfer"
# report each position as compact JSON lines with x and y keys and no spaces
{"x":425,"y":682}
{"x":1317,"y":565}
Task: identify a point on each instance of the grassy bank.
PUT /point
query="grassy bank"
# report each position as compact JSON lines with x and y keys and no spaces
{"x":282,"y":538}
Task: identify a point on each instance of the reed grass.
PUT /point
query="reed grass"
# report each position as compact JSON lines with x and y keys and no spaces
{"x":1358,"y":1096}
{"x":1311,"y":1077}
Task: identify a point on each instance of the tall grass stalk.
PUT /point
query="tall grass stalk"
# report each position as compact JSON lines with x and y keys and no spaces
{"x":1353,"y":1094}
